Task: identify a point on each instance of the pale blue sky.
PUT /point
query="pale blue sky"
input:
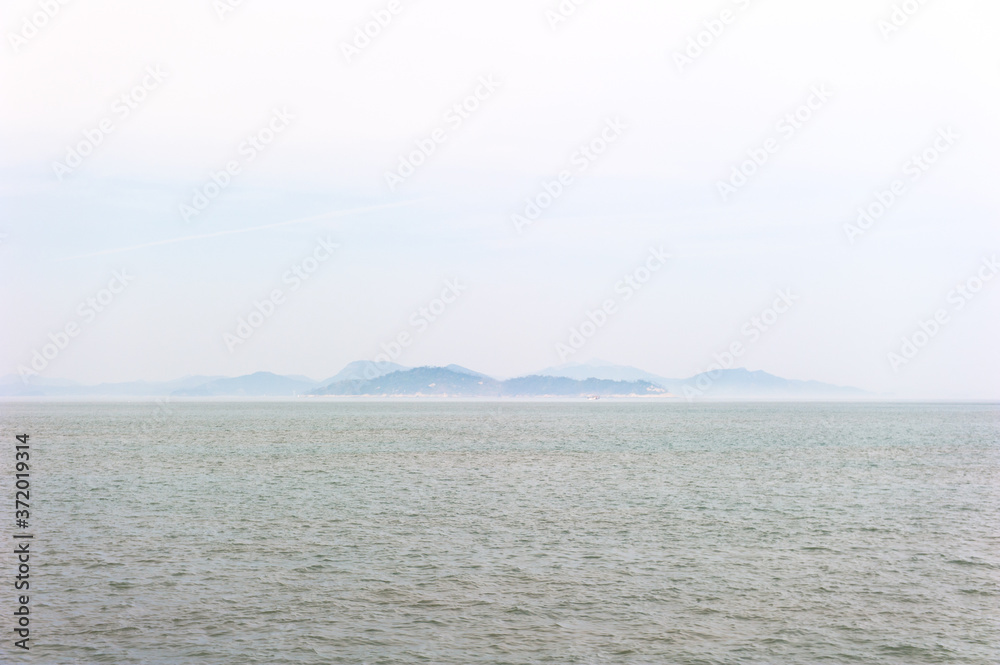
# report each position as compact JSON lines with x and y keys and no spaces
{"x":656,"y":185}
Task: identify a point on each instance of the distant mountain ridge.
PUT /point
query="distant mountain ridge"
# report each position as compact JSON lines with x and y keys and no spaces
{"x":12,"y":386}
{"x":446,"y":382}
{"x":741,"y":382}
{"x":258,"y":384}
{"x":723,"y":383}
{"x":599,"y":369}
{"x":363,"y":370}
{"x":390,"y":379}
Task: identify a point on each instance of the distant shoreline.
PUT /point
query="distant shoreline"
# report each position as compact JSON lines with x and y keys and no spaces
{"x":410,"y":399}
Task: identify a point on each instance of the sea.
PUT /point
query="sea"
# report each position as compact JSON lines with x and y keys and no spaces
{"x":447,"y":532}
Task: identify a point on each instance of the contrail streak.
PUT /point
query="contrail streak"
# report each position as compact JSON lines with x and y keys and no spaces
{"x":336,"y":213}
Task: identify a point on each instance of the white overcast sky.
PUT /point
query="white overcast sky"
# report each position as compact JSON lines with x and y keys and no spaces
{"x":654,"y":186}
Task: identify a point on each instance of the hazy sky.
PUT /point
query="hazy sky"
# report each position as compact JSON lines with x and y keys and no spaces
{"x":118,"y":117}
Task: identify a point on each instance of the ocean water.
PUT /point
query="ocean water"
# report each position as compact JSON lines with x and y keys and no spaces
{"x":521,"y":532}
